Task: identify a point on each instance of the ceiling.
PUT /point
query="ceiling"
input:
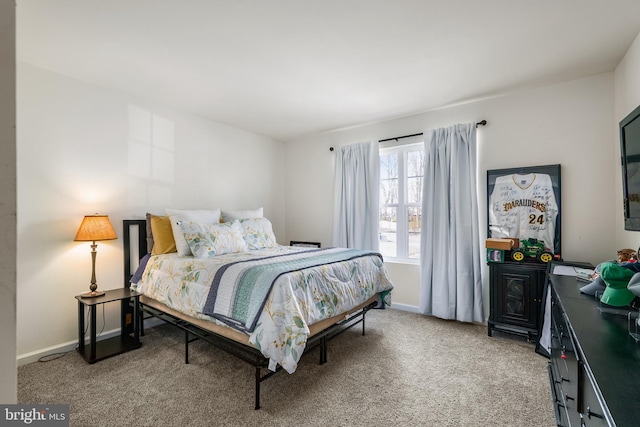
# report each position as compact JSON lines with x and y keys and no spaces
{"x":286,"y":68}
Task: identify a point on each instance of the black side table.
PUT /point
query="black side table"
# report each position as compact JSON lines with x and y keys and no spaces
{"x":99,"y":350}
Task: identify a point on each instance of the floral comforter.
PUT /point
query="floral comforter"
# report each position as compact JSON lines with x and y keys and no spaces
{"x":297,"y":299}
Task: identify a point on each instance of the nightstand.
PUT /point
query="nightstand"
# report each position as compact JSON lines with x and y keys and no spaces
{"x":127,"y":340}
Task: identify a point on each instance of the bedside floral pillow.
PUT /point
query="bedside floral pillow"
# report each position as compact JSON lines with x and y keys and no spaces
{"x":258,"y":233}
{"x":208,"y":240}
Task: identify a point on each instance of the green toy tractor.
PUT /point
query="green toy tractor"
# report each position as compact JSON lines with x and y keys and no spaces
{"x":532,"y":248}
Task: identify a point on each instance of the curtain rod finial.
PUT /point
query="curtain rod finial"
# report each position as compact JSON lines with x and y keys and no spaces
{"x":481,"y":123}
{"x":330,"y":148}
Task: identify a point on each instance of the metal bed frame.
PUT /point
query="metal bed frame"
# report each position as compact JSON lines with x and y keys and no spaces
{"x":193,"y":332}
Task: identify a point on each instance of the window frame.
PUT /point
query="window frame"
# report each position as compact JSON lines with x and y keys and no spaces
{"x":402,"y":206}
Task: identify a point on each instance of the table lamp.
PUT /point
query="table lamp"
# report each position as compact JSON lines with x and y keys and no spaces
{"x":93,"y":228}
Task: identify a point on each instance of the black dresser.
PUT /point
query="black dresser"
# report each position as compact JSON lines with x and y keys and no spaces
{"x":515,"y":293}
{"x":594,"y":366}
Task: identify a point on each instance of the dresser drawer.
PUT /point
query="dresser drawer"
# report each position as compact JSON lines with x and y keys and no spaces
{"x":592,"y":412}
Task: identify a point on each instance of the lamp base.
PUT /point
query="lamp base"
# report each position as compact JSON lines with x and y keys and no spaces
{"x":92,"y":294}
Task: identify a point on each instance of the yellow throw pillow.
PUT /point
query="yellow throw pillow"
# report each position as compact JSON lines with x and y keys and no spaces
{"x":163,"y":242}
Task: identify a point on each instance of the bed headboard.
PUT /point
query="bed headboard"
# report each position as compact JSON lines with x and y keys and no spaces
{"x":134,"y":249}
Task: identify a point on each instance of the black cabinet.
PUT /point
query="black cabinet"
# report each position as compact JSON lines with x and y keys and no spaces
{"x":515,"y":292}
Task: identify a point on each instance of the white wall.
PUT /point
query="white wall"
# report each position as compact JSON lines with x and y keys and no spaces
{"x":567,"y":123}
{"x":83,"y":149}
{"x":627,"y":98}
{"x":78,"y":143}
{"x":8,"y":380}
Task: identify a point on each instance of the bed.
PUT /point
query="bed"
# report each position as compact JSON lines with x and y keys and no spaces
{"x":265,"y":304}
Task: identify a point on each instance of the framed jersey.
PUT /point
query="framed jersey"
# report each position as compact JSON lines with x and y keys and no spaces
{"x":524,"y":203}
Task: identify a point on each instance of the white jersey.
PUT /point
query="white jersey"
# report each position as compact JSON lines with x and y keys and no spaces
{"x":524,"y":206}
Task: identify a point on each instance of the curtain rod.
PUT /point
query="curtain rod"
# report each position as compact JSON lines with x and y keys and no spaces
{"x":480,"y":123}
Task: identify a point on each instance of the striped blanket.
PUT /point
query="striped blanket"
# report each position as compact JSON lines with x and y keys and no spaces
{"x":240,"y":289}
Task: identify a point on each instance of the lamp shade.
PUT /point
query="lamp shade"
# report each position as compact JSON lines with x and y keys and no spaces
{"x":95,"y":227}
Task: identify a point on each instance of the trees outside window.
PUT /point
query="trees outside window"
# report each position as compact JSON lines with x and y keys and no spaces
{"x":401,"y":179}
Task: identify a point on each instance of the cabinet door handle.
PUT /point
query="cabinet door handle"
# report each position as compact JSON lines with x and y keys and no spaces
{"x":564,"y":351}
{"x":593,"y":414}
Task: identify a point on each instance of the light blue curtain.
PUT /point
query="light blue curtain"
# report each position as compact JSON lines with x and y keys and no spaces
{"x":356,"y":195}
{"x":450,"y":271}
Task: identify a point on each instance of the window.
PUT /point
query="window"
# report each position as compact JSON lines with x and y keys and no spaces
{"x":401,"y":177}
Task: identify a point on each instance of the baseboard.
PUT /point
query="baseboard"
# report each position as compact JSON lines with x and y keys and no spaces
{"x":34,"y":356}
{"x":25,"y":359}
{"x":405,"y":307}
{"x":416,"y":309}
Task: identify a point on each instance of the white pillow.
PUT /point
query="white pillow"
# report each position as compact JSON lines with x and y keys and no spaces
{"x":208,"y":240}
{"x":228,"y":216}
{"x":196,"y":215}
{"x":258,"y":233}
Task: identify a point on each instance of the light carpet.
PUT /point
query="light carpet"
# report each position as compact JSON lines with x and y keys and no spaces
{"x":408,"y":370}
